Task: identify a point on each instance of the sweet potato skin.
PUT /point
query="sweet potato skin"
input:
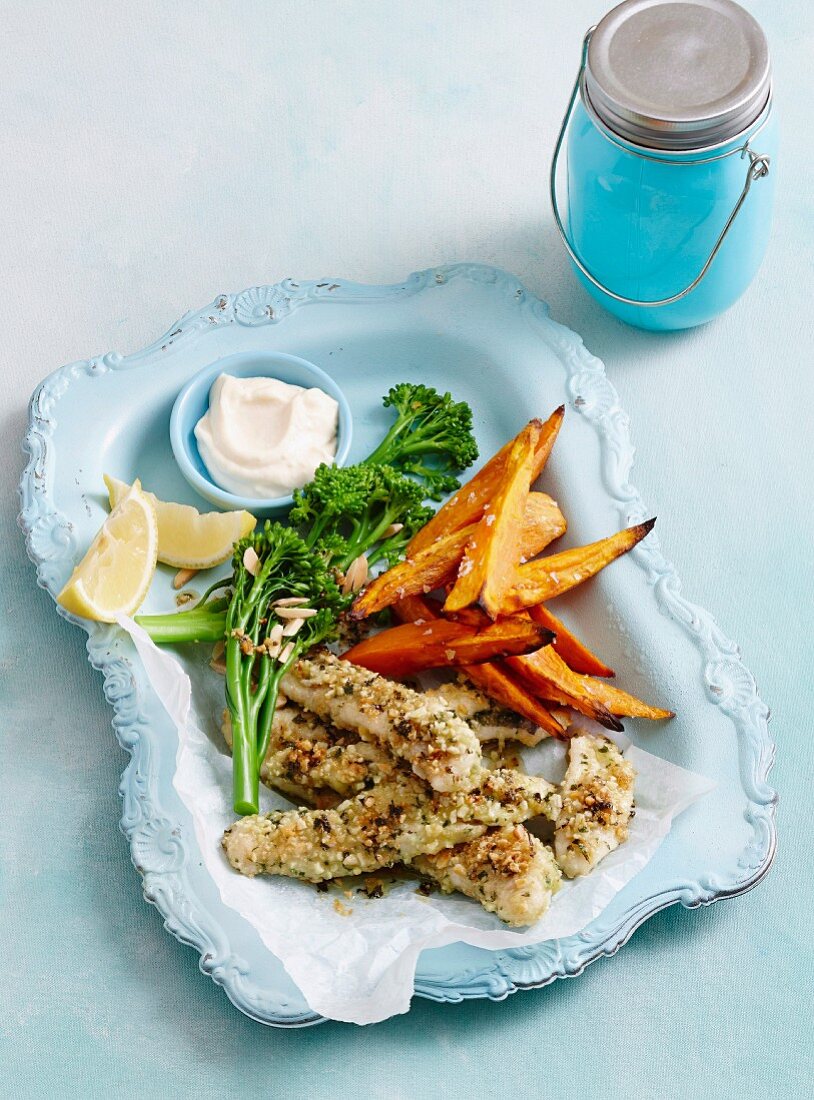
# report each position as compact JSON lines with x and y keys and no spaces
{"x":574,"y":652}
{"x":435,"y":565}
{"x":415,"y":647}
{"x":467,"y":504}
{"x":493,"y":552}
{"x":541,"y":580}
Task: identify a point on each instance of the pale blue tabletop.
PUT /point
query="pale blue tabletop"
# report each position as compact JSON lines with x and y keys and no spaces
{"x":158,"y":154}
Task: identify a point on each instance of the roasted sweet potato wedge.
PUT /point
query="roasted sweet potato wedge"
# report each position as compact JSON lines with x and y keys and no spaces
{"x":436,"y":565}
{"x":622,"y":703}
{"x":557,"y":682}
{"x":417,"y":609}
{"x":543,"y":522}
{"x":493,"y":552}
{"x":492,"y":677}
{"x":472,"y":616}
{"x":428,"y":569}
{"x":549,"y":677}
{"x":575,"y":654}
{"x":467,"y":504}
{"x":500,"y":684}
{"x":546,"y":671}
{"x":541,"y":580}
{"x":414,"y":647}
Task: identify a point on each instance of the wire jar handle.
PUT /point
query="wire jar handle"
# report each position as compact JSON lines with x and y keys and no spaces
{"x":758,"y":168}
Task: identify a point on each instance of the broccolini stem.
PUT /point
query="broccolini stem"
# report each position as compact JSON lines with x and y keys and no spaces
{"x":381,"y":456}
{"x":245,"y":773}
{"x":265,"y":718}
{"x":245,"y":779}
{"x":184,"y":626}
{"x":224,"y":583}
{"x":364,"y":539}
{"x":315,"y":532}
{"x":384,"y":549}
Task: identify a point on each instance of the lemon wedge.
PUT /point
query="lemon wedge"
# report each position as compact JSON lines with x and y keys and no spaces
{"x":187,"y":538}
{"x":114,"y":575}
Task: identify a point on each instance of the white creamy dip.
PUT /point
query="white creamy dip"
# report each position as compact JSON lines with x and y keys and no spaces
{"x":261,"y":438}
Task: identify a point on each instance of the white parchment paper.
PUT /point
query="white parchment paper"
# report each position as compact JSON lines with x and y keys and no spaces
{"x":354,"y":959}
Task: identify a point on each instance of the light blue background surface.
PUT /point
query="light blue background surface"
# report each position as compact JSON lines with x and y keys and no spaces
{"x":162,"y":156}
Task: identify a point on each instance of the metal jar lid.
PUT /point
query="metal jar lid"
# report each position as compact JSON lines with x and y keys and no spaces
{"x":677,"y":74}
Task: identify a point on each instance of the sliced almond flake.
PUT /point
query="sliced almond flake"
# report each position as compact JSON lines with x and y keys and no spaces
{"x":356,"y":575}
{"x":275,"y":634}
{"x":292,"y":626}
{"x":295,"y":612}
{"x":182,"y":577}
{"x":289,"y":601}
{"x":393,"y":529}
{"x":286,"y":652}
{"x":251,"y":561}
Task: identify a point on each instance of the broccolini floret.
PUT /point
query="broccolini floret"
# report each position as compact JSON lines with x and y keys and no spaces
{"x":429,"y":425}
{"x":365,"y":509}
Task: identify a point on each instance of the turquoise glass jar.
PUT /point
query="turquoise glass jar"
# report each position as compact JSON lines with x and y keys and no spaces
{"x":671,"y":149}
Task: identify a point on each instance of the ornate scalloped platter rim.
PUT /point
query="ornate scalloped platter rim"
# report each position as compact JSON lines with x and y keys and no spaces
{"x":166,"y":881}
{"x":613,"y":944}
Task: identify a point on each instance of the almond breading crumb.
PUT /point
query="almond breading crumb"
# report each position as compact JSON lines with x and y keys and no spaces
{"x":391,"y":823}
{"x":509,"y":871}
{"x":305,"y":755}
{"x":439,"y":746}
{"x":597,"y":804}
{"x":311,"y":754}
{"x":487,"y":719}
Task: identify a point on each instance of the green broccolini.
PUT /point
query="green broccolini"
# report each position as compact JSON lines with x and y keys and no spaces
{"x":429,"y":425}
{"x":372,"y":509}
{"x":269,"y":565}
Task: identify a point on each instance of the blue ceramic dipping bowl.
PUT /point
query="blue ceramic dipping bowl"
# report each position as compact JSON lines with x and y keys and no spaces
{"x":193,"y":401}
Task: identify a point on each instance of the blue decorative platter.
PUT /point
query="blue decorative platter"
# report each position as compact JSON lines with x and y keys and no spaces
{"x":478,"y":332}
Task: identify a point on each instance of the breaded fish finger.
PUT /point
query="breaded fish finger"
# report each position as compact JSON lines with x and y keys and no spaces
{"x":509,"y":871}
{"x":486,"y":718}
{"x":438,"y":745}
{"x":597,"y":804}
{"x":305,"y":754}
{"x":391,"y":823}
